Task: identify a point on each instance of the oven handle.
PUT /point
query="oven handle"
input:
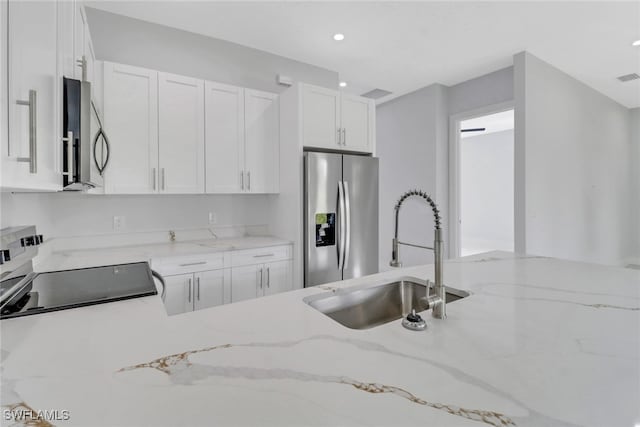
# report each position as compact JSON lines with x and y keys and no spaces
{"x":161,"y":280}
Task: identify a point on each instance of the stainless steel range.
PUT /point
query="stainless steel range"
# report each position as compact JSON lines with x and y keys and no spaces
{"x":24,"y":292}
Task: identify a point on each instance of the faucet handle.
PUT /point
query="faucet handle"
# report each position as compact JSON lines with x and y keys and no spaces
{"x":429,"y":287}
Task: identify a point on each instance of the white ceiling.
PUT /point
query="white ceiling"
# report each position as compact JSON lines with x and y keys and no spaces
{"x":402,"y":46}
{"x":492,"y":123}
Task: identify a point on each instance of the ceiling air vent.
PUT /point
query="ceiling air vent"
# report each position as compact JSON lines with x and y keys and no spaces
{"x":629,"y":77}
{"x":376,"y":93}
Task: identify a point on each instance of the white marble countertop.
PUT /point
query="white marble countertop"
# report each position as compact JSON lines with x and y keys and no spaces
{"x":71,"y":259}
{"x":540,"y":342}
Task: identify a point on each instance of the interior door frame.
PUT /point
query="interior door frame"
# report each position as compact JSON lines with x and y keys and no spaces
{"x":454,"y":168}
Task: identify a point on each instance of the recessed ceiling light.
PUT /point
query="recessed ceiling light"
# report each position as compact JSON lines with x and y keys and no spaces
{"x":338,"y":37}
{"x":343,"y":84}
{"x":636,"y":43}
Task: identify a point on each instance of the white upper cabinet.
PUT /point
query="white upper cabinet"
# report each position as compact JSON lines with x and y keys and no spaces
{"x":131,"y":120}
{"x":30,"y":155}
{"x":83,"y":47}
{"x":66,"y":38}
{"x":181,"y":134}
{"x":321,"y":117}
{"x":174,"y":134}
{"x":224,"y":133}
{"x":262,"y":141}
{"x":337,"y":121}
{"x":4,"y":100}
{"x":358,"y":116}
{"x":242,"y":129}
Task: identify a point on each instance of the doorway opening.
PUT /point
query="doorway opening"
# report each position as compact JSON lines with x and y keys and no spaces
{"x":485,"y":182}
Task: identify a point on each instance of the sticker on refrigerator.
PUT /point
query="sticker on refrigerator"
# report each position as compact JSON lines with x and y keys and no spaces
{"x":325,"y":229}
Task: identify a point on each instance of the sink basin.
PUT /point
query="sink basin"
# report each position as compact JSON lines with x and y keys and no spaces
{"x":365,"y":308}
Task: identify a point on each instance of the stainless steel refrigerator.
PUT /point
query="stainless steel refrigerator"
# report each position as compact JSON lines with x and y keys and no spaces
{"x":340,"y":217}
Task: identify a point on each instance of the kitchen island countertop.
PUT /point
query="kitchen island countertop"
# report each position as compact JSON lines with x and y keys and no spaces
{"x":539,"y":342}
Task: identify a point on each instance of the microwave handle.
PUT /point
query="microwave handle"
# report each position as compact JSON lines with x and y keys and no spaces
{"x":69,"y":141}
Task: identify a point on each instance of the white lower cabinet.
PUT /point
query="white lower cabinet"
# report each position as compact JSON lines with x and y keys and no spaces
{"x":258,"y":280}
{"x":194,"y":282}
{"x":188,"y":292}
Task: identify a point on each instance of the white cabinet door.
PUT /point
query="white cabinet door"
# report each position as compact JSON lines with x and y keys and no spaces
{"x":320,"y":117}
{"x":78,"y":38}
{"x":246,"y":282}
{"x":4,"y":100}
{"x":224,"y":133}
{"x":209,"y":289}
{"x":89,"y":52}
{"x":357,"y":125}
{"x":66,"y":30}
{"x":262,"y":141}
{"x":278,"y":277}
{"x":178,"y":296}
{"x":181,"y":134}
{"x":31,"y":155}
{"x":131,"y":121}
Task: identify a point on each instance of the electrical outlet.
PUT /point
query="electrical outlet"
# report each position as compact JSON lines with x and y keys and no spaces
{"x":213,"y":218}
{"x":118,"y":223}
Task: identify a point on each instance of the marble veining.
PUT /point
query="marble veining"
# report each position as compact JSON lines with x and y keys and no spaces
{"x":182,"y":371}
{"x":483,"y":291}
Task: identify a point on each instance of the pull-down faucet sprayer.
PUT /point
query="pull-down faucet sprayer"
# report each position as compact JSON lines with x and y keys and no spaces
{"x":438,"y":301}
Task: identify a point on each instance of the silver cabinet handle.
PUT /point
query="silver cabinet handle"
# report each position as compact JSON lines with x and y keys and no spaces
{"x":189,"y":297}
{"x":261,"y":278}
{"x":242,"y":180}
{"x":69,"y":141}
{"x":344,"y":136}
{"x":192,"y":263}
{"x":347,"y":222}
{"x":153,"y":172}
{"x":164,"y":180}
{"x":263,"y":255}
{"x":82,"y":63}
{"x":268,"y":277}
{"x":249,"y":180}
{"x":33,"y":126}
{"x":198,"y":287}
{"x":339,"y":136}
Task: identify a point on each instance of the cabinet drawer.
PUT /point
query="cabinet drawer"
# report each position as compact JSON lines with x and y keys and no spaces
{"x":168,"y":266}
{"x":261,"y":255}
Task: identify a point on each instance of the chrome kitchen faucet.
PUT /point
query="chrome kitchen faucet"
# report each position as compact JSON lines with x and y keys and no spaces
{"x":437,"y":302}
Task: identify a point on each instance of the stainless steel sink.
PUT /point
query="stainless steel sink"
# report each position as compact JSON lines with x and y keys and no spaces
{"x":365,"y":308}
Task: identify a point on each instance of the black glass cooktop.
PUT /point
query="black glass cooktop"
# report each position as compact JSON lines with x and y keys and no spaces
{"x":61,"y":290}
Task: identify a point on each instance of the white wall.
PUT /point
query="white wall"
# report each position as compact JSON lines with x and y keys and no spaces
{"x":76,"y":214}
{"x":489,"y":89}
{"x":577,"y":174}
{"x":130,"y":41}
{"x":406,"y":145}
{"x":486,"y":172}
{"x":413,"y":146}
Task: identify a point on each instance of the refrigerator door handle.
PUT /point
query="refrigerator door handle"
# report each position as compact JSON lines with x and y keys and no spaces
{"x":347,"y":222}
{"x":341,"y":228}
